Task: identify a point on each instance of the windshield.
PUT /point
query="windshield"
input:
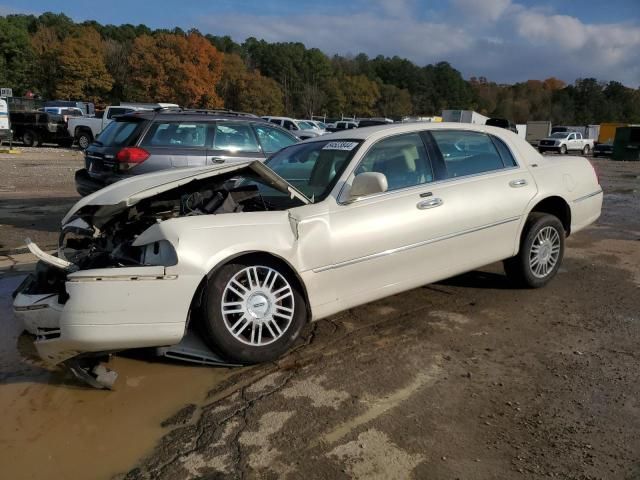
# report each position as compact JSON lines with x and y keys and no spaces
{"x":313,"y":168}
{"x":305,"y":125}
{"x":559,"y":135}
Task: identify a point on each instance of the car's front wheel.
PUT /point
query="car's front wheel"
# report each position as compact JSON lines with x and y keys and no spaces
{"x":541,"y":252}
{"x":253,"y":312}
{"x":563,"y":149}
{"x":30,"y":139}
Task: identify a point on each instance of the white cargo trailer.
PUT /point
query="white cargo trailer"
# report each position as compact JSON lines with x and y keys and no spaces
{"x":463,"y":116}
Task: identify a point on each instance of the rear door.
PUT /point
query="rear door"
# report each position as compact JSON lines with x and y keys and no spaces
{"x":482,"y":198}
{"x":234,"y":142}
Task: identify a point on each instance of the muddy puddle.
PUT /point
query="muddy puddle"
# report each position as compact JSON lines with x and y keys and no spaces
{"x":53,"y":427}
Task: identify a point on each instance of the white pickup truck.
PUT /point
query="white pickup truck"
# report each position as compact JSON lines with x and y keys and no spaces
{"x":85,"y":129}
{"x":562,"y":142}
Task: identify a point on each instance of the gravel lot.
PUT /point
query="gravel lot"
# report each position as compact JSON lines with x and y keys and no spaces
{"x":468,"y":378}
{"x":36,"y":190}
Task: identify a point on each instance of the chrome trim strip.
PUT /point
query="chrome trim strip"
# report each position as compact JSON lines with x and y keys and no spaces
{"x":588,"y":196}
{"x":393,"y":251}
{"x":121,"y":278}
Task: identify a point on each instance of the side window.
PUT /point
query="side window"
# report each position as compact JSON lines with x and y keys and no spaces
{"x":176,"y":134}
{"x":235,"y":137}
{"x":467,"y":153}
{"x":118,"y":111}
{"x":572,"y":136}
{"x":276,"y":121}
{"x":289,"y":125}
{"x":505,"y":153}
{"x":402,"y":159}
{"x":273,"y":139}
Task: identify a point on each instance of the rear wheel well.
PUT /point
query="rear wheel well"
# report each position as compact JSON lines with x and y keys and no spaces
{"x":253,"y":257}
{"x":557,"y":207}
{"x":80,"y":130}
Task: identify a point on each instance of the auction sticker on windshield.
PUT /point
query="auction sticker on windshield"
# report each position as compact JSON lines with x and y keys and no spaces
{"x":346,"y":146}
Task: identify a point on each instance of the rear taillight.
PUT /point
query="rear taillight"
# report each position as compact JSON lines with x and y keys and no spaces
{"x":129,"y":157}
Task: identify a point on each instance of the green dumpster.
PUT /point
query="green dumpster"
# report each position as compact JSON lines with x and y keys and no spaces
{"x":626,"y":145}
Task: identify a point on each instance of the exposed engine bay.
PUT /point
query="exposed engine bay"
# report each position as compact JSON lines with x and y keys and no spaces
{"x":102,"y":236}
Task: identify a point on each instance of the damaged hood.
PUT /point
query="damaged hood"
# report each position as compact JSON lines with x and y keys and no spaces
{"x":127,"y":193}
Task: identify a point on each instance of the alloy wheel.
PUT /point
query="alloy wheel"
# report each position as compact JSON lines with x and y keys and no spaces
{"x":545,"y":251}
{"x":257,"y":305}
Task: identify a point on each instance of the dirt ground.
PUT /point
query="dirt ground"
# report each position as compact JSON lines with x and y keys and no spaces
{"x":467,"y":378}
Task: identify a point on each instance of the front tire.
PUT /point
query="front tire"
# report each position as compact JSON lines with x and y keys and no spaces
{"x":253,"y":311}
{"x":541,"y":252}
{"x":563,"y":149}
{"x":30,"y":138}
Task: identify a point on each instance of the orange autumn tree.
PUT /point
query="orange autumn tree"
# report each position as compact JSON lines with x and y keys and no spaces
{"x":182,"y":69}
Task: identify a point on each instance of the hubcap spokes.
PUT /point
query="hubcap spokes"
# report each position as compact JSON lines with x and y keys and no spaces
{"x":257,"y":305}
{"x":545,"y":252}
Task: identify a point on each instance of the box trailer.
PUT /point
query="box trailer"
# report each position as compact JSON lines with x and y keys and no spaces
{"x":463,"y":116}
{"x":626,"y":145}
{"x":607,"y":132}
{"x":536,"y":131}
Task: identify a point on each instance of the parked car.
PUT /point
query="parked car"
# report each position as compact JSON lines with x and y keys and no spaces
{"x":603,"y":149}
{"x":321,"y":126}
{"x":65,"y":112}
{"x":36,"y":128}
{"x":84,"y":130}
{"x":299,"y":128}
{"x":502,"y":123}
{"x":371,"y":122}
{"x":87,"y":108}
{"x":342,"y":125}
{"x":145,"y":141}
{"x":247,"y":253}
{"x":563,"y":142}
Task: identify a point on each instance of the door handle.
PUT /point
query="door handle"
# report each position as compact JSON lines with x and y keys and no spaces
{"x":518,"y":183}
{"x":217,"y":160}
{"x":431,"y":203}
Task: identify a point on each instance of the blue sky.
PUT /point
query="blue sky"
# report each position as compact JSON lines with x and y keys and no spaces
{"x":504,"y":40}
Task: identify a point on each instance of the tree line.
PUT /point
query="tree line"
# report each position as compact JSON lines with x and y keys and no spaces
{"x":56,"y":58}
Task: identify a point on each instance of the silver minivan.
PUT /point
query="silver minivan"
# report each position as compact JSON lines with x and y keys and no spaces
{"x":148,"y":141}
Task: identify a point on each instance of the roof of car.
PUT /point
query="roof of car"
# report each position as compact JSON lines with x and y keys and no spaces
{"x":365,"y":133}
{"x":197,"y":115}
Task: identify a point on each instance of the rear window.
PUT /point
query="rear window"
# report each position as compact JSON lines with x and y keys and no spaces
{"x":120,"y":134}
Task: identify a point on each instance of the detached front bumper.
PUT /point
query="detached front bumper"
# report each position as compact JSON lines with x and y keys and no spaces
{"x":106,"y":310}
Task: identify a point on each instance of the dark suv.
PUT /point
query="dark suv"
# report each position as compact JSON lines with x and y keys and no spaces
{"x":148,"y":141}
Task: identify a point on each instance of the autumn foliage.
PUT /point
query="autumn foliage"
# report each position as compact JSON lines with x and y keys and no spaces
{"x":178,"y":69}
{"x":54,"y":57}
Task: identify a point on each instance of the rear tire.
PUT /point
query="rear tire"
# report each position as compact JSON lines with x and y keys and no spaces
{"x":84,"y":140}
{"x":541,"y":252}
{"x":30,"y":138}
{"x":253,"y":311}
{"x":586,"y":150}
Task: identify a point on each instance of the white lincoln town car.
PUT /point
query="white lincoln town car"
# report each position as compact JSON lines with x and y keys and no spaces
{"x":246,"y":254}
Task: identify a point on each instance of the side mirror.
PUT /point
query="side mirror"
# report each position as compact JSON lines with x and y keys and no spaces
{"x":368,"y":183}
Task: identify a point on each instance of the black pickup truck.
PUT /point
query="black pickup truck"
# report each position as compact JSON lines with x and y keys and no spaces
{"x":36,"y":128}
